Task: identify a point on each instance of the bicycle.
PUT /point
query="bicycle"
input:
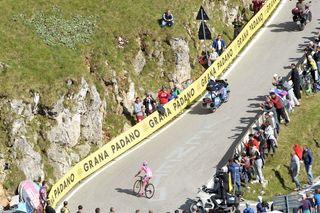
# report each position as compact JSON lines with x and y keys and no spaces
{"x":148,"y":190}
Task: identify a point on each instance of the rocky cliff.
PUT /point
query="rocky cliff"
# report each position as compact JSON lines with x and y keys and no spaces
{"x":41,"y":140}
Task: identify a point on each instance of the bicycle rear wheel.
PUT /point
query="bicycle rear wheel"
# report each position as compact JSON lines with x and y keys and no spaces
{"x":149,"y":190}
{"x":137,"y":187}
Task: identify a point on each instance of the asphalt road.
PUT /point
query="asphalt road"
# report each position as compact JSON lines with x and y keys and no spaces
{"x":185,"y":155}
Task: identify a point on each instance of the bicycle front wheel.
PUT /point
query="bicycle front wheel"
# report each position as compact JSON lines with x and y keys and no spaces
{"x":149,"y":190}
{"x":137,"y":187}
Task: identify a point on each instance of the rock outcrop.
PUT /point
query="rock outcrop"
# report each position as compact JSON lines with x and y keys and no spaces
{"x":182,"y":60}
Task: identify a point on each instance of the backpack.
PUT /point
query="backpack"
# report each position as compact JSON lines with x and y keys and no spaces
{"x":161,"y":109}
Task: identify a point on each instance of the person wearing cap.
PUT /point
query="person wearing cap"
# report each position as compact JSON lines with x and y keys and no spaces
{"x":280,"y":108}
{"x":248,"y":209}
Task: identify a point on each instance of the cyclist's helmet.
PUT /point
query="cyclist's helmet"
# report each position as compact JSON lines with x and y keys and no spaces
{"x":145,"y":163}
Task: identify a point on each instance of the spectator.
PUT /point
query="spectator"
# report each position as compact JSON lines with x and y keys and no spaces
{"x":271,"y":140}
{"x":314,"y":69}
{"x":279,"y":105}
{"x":308,"y":195}
{"x":213,"y":56}
{"x":257,"y":5}
{"x":246,"y":169}
{"x":43,"y":193}
{"x":295,"y":77}
{"x":139,"y":109}
{"x":149,"y":104}
{"x":257,"y":163}
{"x":176,"y":211}
{"x":112,"y":210}
{"x":167,"y":19}
{"x":175,"y":91}
{"x":294,"y":169}
{"x":237,"y":25}
{"x":65,"y":208}
{"x":272,"y":120}
{"x":49,"y":208}
{"x":219,"y":44}
{"x":307,"y":160}
{"x":163,"y":96}
{"x":97,"y":210}
{"x":317,"y":200}
{"x":234,"y":169}
{"x":203,"y":60}
{"x":298,"y":150}
{"x":306,"y":206}
{"x":261,"y":208}
{"x":80,"y":207}
{"x":282,"y":83}
{"x":316,"y":57}
{"x":248,"y":209}
{"x":138,"y":211}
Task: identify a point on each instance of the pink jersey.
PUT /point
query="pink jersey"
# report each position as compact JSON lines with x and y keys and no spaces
{"x":147,"y":171}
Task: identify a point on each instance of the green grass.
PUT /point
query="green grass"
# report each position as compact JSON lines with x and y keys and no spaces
{"x":33,"y":64}
{"x":303,"y":129}
{"x":36,"y":64}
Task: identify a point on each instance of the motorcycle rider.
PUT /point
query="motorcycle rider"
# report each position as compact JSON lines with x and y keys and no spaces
{"x":301,"y":5}
{"x":214,"y":86}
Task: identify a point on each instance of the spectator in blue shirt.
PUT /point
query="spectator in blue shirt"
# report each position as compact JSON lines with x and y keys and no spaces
{"x":167,"y":19}
{"x":219,"y":44}
{"x":260,"y":207}
{"x":248,"y":209}
{"x":317,"y":200}
{"x":307,"y":160}
{"x":234,"y":169}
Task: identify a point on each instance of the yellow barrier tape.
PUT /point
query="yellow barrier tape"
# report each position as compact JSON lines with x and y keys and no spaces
{"x":150,"y":124}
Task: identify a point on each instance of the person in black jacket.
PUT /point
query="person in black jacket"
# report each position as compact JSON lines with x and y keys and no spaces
{"x":295,"y":78}
{"x":149,"y":104}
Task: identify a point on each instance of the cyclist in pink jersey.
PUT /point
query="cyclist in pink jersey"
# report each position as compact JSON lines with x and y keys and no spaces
{"x":148,"y":175}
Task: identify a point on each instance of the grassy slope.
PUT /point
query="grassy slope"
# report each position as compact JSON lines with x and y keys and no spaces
{"x":35,"y":65}
{"x":303,"y":129}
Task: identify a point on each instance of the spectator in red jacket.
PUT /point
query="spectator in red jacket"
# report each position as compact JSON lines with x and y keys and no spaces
{"x":257,"y":5}
{"x":163,"y":95}
{"x":279,"y":105}
{"x":298,"y":150}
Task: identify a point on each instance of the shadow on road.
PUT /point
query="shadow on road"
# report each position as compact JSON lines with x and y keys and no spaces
{"x":288,"y":26}
{"x":126,"y":191}
{"x":198,"y":110}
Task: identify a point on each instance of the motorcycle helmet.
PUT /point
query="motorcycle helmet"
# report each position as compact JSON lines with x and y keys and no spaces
{"x":145,"y":163}
{"x":295,"y":11}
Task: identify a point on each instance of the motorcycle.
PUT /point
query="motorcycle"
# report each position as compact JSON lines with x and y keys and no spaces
{"x":213,"y":199}
{"x":301,"y":18}
{"x":213,"y":99}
